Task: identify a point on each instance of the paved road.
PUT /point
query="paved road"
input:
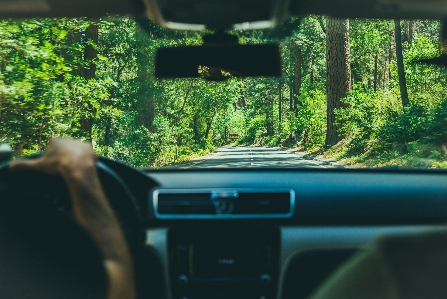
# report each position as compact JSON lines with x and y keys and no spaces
{"x":259,"y":156}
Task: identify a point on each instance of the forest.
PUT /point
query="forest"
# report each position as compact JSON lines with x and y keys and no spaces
{"x":351,"y":90}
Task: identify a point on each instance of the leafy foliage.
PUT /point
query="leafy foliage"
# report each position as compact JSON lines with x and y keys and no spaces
{"x":94,"y":79}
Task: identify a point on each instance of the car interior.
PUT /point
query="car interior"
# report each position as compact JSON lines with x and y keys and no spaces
{"x":229,"y":233}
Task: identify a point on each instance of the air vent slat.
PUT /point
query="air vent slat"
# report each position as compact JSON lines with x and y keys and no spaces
{"x":184,"y":203}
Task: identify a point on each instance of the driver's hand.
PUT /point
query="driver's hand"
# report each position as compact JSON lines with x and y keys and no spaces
{"x":66,"y":157}
{"x":75,"y":161}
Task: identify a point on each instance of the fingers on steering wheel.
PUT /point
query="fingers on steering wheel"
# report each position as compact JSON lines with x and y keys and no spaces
{"x":24,"y":165}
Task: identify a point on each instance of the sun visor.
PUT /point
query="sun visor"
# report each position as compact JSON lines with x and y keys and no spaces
{"x":383,"y":9}
{"x":69,"y":8}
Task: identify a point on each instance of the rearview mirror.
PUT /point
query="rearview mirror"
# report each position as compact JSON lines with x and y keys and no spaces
{"x":238,"y":60}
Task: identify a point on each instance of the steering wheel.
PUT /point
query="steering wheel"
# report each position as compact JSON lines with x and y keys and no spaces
{"x":44,"y":253}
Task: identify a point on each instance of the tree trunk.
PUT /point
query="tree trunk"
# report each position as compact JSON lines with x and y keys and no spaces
{"x":209,"y":124}
{"x":90,"y":55}
{"x":321,"y":22}
{"x":291,"y":96}
{"x":280,"y":104}
{"x":242,"y":101}
{"x":196,"y":128}
{"x":391,"y":52}
{"x":145,"y":103}
{"x":400,"y":64}
{"x":90,"y":52}
{"x":73,"y":37}
{"x":87,"y":127}
{"x":208,"y":129}
{"x":292,"y":78}
{"x":410,"y":31}
{"x":146,"y":113}
{"x":338,"y":69}
{"x":297,"y":78}
{"x":376,"y":72}
{"x":443,"y":37}
{"x":385,"y":71}
{"x":107,"y":135}
{"x":2,"y":100}
{"x":269,"y":125}
{"x":312,"y":72}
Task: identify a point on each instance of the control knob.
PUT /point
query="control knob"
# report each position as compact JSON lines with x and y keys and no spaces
{"x":182,"y":280}
{"x":265,"y":278}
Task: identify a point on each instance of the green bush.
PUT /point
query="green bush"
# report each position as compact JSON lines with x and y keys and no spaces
{"x":406,"y":126}
{"x":310,"y":125}
{"x":437,"y":125}
{"x":361,"y":119}
{"x":255,"y":128}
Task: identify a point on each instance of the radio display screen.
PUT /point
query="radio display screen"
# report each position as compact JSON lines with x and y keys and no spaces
{"x":225,"y":260}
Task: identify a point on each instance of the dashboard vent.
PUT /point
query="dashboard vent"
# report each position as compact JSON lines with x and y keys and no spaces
{"x":223,"y":203}
{"x":184,"y":203}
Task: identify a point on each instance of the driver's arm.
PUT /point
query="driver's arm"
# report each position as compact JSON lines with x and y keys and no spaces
{"x":363,"y":277}
{"x":75,"y":161}
{"x":410,"y":266}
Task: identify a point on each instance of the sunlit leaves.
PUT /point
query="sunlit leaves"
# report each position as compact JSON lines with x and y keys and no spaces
{"x":43,"y":92}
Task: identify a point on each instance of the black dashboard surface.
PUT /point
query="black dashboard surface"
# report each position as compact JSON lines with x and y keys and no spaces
{"x":333,"y":197}
{"x":336,"y":214}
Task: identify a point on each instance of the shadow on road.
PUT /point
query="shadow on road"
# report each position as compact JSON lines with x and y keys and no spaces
{"x":248,"y":157}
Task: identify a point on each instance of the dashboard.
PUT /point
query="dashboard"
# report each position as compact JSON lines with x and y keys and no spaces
{"x":269,"y":233}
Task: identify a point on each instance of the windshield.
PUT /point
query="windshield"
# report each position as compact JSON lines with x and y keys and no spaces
{"x":352,"y":94}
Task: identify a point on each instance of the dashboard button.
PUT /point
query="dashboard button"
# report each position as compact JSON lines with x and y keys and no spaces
{"x":182,"y":280}
{"x":265,"y":278}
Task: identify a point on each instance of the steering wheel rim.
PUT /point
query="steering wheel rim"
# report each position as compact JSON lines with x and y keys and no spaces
{"x":120,"y":199}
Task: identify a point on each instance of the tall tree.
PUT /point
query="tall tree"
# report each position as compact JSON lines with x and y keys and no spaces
{"x":443,"y":37}
{"x":89,"y":72}
{"x":410,"y":31}
{"x":400,"y":64}
{"x":145,"y":102}
{"x":297,"y":80}
{"x":376,"y":71}
{"x":338,"y":68}
{"x":279,"y":103}
{"x":391,"y":51}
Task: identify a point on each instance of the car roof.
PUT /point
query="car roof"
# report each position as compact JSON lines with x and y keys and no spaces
{"x":217,"y":14}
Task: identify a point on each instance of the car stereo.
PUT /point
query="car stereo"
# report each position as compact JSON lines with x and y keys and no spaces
{"x":226,"y":263}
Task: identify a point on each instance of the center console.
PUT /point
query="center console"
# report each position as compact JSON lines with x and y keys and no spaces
{"x":224,"y":262}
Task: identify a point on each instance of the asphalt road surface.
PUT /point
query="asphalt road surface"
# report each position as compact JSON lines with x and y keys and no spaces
{"x":255,"y":156}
